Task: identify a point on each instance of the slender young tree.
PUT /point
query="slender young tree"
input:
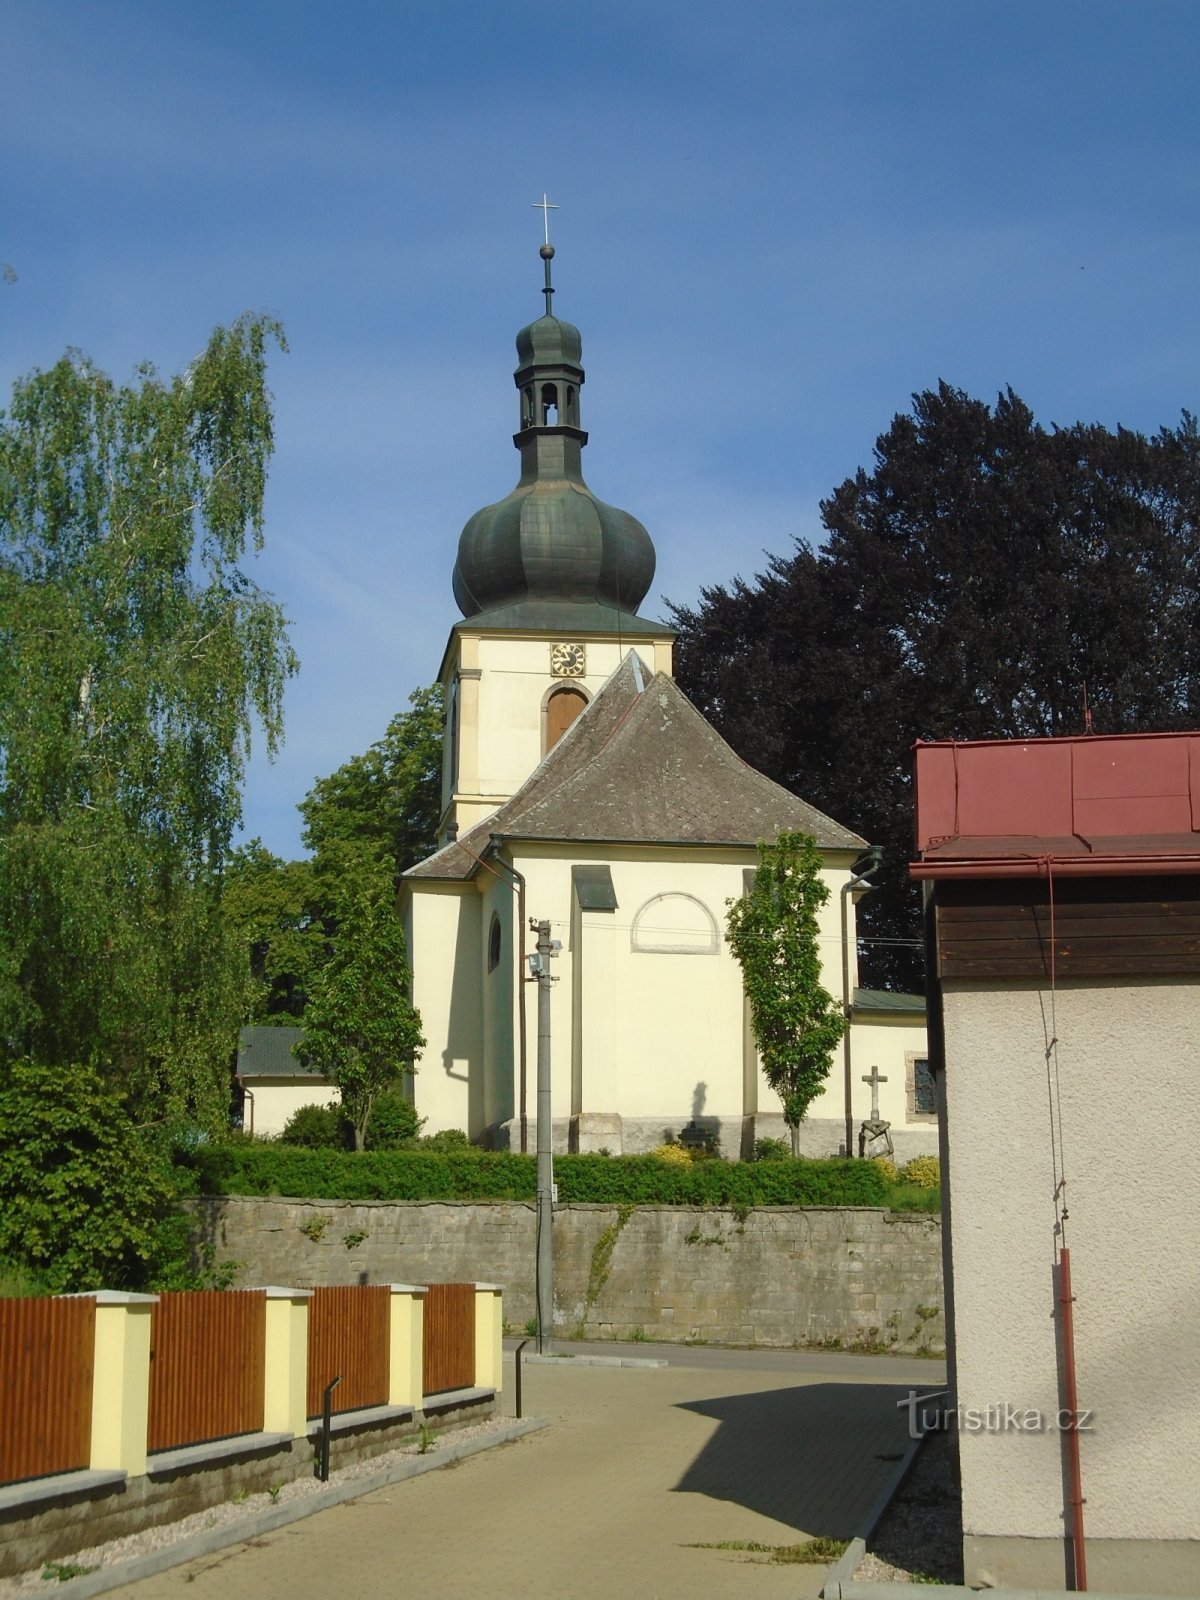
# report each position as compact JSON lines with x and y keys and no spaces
{"x":773,"y":934}
{"x":135,"y":656}
{"x":360,"y":1027}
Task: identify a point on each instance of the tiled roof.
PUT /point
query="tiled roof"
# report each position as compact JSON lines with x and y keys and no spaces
{"x":640,"y":765}
{"x":267,"y":1053}
{"x":886,"y":1000}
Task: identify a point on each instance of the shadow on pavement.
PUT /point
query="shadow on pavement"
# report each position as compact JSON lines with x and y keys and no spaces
{"x":811,"y":1456}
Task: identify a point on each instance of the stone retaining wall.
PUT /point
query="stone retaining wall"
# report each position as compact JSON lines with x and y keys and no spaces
{"x":851,"y":1278}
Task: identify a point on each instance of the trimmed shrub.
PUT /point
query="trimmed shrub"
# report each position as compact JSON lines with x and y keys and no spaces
{"x":924,"y":1171}
{"x":276,"y":1169}
{"x":449,"y":1141}
{"x":887,"y":1166}
{"x":393,"y":1123}
{"x":673,"y":1154}
{"x":318,"y":1128}
{"x":772,"y":1150}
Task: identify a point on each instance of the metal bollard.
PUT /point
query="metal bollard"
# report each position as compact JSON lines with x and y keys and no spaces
{"x":519,"y":1348}
{"x":323,"y":1459}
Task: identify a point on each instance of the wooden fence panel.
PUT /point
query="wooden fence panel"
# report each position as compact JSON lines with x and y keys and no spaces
{"x":207,"y":1352}
{"x":47,"y":1354}
{"x":449,"y":1354}
{"x":349,"y":1335}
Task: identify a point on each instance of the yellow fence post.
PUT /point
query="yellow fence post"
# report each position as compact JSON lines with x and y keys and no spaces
{"x":121,"y":1381}
{"x":285,"y":1397}
{"x":406,"y":1376}
{"x":489,"y":1331}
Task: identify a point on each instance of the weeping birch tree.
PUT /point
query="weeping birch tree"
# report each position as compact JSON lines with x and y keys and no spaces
{"x":136,"y":655}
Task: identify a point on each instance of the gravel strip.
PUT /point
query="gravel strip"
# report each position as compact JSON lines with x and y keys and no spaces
{"x":919,"y":1536}
{"x":234,"y":1512}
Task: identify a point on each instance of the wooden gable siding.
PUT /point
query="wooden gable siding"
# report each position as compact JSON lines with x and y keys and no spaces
{"x":1103,"y":928}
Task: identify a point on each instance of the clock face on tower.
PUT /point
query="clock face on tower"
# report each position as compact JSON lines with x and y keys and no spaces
{"x":568,"y":660}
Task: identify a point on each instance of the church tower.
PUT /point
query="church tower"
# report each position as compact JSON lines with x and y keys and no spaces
{"x":549,"y":580}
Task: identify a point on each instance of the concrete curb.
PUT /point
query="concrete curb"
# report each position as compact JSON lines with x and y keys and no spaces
{"x":567,"y":1359}
{"x":837,"y":1584}
{"x":266,"y":1521}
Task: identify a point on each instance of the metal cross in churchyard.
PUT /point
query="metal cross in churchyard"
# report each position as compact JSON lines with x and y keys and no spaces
{"x":875,"y":1079}
{"x":545,"y":207}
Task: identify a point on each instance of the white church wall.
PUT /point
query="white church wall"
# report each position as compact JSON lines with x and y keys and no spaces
{"x":442,"y":926}
{"x":499,"y":707}
{"x":497,"y":908}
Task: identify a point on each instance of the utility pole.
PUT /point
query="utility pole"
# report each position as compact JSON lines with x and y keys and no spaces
{"x":539,"y":967}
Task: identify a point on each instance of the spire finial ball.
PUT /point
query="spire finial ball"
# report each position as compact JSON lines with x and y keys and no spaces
{"x":546,"y":251}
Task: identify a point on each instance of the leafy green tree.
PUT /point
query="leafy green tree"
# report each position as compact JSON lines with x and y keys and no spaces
{"x":390,"y":797}
{"x":360,"y":1027}
{"x":773,"y":934}
{"x":984,"y":577}
{"x":135,"y":656}
{"x":81,"y":1190}
{"x":274,"y":908}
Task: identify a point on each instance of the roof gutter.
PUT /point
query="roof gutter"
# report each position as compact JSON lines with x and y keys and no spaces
{"x":1110,"y":866}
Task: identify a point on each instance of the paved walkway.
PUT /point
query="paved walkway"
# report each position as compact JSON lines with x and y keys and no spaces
{"x":638,"y":1465}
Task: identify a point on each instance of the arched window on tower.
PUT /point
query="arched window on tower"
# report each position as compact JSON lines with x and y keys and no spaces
{"x":527,"y":406}
{"x":561,"y":709}
{"x":549,"y":405}
{"x":572,"y":417}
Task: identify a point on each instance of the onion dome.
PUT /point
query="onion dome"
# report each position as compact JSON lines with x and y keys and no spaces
{"x":551,"y":538}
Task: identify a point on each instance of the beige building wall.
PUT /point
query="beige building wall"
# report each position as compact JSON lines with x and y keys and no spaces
{"x":1128,"y":1066}
{"x":442,"y":930}
{"x":276,"y":1102}
{"x":496,"y":690}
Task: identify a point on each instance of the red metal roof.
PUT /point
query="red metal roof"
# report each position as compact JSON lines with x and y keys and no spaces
{"x":1111,"y":804}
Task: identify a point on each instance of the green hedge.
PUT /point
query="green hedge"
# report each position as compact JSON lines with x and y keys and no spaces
{"x":269,"y":1169}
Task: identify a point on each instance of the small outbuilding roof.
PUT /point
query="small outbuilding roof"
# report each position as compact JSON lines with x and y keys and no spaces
{"x":1112,"y":805}
{"x":265,"y":1052}
{"x":910,"y":1005}
{"x":640,"y":765}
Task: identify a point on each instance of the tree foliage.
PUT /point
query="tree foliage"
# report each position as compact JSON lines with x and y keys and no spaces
{"x":135,"y":655}
{"x":360,"y":1028}
{"x":389,"y":798}
{"x":983,"y":578}
{"x":81,"y":1191}
{"x":278,"y":917}
{"x":773,"y":934}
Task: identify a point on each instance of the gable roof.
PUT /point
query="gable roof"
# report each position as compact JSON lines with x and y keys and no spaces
{"x":640,"y":765}
{"x":266,"y":1052}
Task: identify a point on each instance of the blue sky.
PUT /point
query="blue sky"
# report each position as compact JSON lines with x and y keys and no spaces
{"x":777,"y":221}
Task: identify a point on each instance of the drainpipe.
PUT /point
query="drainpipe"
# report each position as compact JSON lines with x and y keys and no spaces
{"x":855,"y":881}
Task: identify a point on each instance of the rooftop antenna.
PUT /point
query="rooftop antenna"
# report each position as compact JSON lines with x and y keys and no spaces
{"x":546,"y":252}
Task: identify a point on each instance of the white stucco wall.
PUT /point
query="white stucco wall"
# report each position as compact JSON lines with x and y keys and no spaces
{"x":442,"y":927}
{"x":275,"y":1101}
{"x":1129,"y":1065}
{"x":500,"y":701}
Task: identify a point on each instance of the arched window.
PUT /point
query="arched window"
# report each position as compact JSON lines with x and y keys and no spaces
{"x":494,"y":943}
{"x":572,"y":405}
{"x":674,"y":924}
{"x":527,"y":406}
{"x":561,"y":708}
{"x":549,"y":405}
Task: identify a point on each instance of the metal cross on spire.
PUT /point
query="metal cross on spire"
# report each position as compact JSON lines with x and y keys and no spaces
{"x":547,"y":251}
{"x":545,"y":206}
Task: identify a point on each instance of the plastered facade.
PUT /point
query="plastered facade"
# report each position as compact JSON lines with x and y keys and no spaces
{"x":649,"y":1025}
{"x":496,"y":687}
{"x":1128,"y":1064}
